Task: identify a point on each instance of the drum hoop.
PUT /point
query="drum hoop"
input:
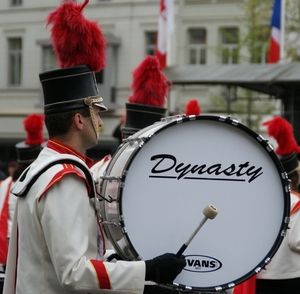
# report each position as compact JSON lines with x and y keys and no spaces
{"x":285,"y":189}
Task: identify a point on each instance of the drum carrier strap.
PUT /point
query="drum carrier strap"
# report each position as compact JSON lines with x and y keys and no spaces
{"x":24,"y":183}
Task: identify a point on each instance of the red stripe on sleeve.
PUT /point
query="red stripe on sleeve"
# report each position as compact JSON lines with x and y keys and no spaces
{"x":103,"y":278}
{"x":67,"y":169}
{"x":295,"y":208}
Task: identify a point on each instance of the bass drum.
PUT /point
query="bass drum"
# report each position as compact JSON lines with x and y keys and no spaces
{"x":160,"y":180}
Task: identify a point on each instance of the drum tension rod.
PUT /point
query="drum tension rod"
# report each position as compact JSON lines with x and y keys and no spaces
{"x":110,"y":200}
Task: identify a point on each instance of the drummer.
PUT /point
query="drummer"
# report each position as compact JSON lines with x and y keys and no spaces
{"x":282,"y":274}
{"x":56,"y":242}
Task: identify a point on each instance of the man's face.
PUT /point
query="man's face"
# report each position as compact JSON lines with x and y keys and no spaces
{"x":92,"y":129}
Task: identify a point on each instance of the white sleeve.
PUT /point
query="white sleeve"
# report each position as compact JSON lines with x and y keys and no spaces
{"x":11,"y":210}
{"x":293,"y":233}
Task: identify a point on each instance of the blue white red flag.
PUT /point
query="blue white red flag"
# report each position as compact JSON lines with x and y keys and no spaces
{"x":275,"y":42}
{"x":165,"y":30}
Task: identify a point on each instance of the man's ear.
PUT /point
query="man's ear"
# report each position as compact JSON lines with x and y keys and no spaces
{"x":78,"y":120}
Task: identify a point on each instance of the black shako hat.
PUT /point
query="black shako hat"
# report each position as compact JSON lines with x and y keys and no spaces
{"x":79,"y":45}
{"x":149,"y":92}
{"x":70,"y":88}
{"x":290,"y":162}
{"x":139,"y":116}
{"x":28,"y":150}
{"x":26,"y":154}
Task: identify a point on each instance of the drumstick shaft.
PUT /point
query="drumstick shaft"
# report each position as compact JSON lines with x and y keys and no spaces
{"x":187,"y":243}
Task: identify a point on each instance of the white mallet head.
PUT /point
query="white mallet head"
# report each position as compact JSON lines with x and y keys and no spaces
{"x":210,"y":211}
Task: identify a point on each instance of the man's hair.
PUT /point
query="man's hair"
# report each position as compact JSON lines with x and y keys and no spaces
{"x":59,"y":124}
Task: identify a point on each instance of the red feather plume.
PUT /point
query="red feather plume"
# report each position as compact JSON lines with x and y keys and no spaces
{"x":283,"y":133}
{"x":149,"y":86}
{"x":192,"y":107}
{"x":33,"y":125}
{"x":76,"y":40}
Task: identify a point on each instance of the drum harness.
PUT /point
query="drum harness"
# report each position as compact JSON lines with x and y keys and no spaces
{"x":24,"y":183}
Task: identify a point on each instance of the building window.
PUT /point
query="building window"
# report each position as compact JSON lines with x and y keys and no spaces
{"x":197,"y":46}
{"x":229,"y":45}
{"x":15,"y":61}
{"x":49,"y":58}
{"x":16,"y":2}
{"x":150,"y":43}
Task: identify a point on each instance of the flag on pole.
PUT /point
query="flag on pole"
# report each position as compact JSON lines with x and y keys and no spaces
{"x":275,"y":42}
{"x":165,"y":30}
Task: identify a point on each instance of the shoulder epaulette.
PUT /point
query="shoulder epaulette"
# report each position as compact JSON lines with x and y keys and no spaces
{"x":25,"y":182}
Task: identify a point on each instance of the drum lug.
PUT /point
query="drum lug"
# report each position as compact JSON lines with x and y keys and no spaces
{"x":258,"y":270}
{"x":139,"y":141}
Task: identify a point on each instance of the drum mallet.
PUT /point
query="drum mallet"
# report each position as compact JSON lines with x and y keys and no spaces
{"x":210,"y":212}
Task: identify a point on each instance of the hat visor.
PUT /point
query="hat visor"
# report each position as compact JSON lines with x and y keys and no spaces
{"x":101,"y":106}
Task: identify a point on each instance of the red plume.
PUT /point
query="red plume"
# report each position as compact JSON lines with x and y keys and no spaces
{"x":76,"y":40}
{"x":33,"y":125}
{"x":192,"y":107}
{"x":283,"y":133}
{"x":149,"y":85}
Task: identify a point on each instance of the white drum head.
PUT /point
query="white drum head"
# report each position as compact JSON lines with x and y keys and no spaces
{"x":184,"y":167}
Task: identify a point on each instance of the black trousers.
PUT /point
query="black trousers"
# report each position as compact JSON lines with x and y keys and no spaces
{"x":288,"y":286}
{"x":153,"y":289}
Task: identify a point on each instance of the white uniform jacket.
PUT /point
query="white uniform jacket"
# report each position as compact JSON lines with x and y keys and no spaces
{"x":285,"y":264}
{"x":55,"y":242}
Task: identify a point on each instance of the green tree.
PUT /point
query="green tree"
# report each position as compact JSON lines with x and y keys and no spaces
{"x":291,"y":30}
{"x":254,"y":37}
{"x":256,"y":26}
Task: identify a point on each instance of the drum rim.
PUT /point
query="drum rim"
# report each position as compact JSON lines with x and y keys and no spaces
{"x":284,"y":183}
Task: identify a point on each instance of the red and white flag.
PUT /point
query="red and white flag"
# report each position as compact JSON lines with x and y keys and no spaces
{"x":275,"y":42}
{"x":165,"y":30}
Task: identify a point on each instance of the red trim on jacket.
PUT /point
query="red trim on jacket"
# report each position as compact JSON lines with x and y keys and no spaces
{"x":297,"y":205}
{"x":3,"y":233}
{"x":65,"y":149}
{"x":4,"y":225}
{"x":67,"y":169}
{"x":103,"y":278}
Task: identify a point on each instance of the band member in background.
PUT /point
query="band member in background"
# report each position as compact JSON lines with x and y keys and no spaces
{"x":27,"y":152}
{"x":57,"y":241}
{"x":192,"y":107}
{"x":282,"y":274}
{"x":144,"y":107}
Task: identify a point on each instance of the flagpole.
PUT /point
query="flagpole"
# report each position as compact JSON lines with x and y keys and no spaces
{"x":282,"y":29}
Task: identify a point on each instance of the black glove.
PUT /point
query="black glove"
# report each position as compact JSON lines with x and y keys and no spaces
{"x":164,"y":268}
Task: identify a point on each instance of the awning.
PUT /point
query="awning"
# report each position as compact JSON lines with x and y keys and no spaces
{"x":279,"y":80}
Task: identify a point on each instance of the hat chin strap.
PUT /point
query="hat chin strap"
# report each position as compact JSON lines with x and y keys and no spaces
{"x":89,"y":102}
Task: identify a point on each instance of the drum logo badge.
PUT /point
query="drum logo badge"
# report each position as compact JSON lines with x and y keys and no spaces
{"x":167,"y":166}
{"x":202,"y":263}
